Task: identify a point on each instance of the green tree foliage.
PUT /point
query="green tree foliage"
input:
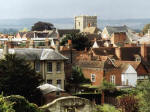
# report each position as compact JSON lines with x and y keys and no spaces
{"x":16,"y":103}
{"x":106,"y":108}
{"x":77,"y":78}
{"x":144,"y":96}
{"x":105,"y":85}
{"x":41,"y":26}
{"x":79,"y":41}
{"x":145,"y":29}
{"x":18,"y":78}
{"x":5,"y":106}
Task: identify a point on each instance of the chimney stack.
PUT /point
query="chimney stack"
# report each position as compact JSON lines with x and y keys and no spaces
{"x":118,"y":52}
{"x":144,"y":52}
{"x":27,"y":43}
{"x":148,"y":32}
{"x":31,"y":45}
{"x":47,"y":42}
{"x":57,"y":48}
{"x":69,"y":43}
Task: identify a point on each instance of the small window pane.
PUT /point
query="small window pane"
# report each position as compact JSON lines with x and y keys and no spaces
{"x":59,"y":83}
{"x":93,"y":78}
{"x":49,"y":81}
{"x":49,"y":67}
{"x":58,"y":66}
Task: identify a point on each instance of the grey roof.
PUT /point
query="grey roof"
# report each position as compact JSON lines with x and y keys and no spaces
{"x":36,"y":54}
{"x":112,"y":29}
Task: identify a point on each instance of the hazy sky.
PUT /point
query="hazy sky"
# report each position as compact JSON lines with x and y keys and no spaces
{"x":105,"y":9}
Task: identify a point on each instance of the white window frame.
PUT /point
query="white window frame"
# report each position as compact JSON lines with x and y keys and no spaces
{"x":113,"y":79}
{"x":93,"y":78}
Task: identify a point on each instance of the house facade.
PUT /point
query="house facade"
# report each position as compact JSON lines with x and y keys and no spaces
{"x":47,"y":62}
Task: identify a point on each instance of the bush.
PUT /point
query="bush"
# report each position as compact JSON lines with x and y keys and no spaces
{"x":16,"y":103}
{"x":106,"y":108}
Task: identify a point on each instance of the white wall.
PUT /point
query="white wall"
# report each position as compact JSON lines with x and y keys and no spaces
{"x":129,"y":76}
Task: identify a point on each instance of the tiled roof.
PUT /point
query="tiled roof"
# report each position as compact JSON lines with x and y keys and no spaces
{"x":91,"y":30}
{"x":104,"y":51}
{"x":67,"y":31}
{"x":96,"y":64}
{"x":36,"y":54}
{"x":135,"y":64}
{"x":128,"y":53}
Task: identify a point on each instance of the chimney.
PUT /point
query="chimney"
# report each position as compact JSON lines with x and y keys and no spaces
{"x":85,"y":49}
{"x":47,"y":42}
{"x":5,"y":49}
{"x":27,"y":43}
{"x":144,"y":52}
{"x":148,"y":32}
{"x":31,"y":45}
{"x":10,"y":44}
{"x":57,"y":46}
{"x":118,"y":52}
{"x":69,"y":43}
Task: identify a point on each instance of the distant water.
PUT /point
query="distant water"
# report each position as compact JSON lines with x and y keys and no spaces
{"x":66,"y":23}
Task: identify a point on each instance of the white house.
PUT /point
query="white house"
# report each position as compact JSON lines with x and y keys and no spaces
{"x":129,"y":76}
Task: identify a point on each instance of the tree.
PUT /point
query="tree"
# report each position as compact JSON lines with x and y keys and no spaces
{"x":17,"y":77}
{"x":41,"y":26}
{"x":77,"y":78}
{"x":105,"y":86}
{"x":5,"y":106}
{"x":79,"y":41}
{"x":16,"y":103}
{"x":144,"y":96}
{"x":145,"y":29}
{"x":106,"y":108}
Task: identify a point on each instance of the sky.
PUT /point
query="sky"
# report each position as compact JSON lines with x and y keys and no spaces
{"x":104,"y":9}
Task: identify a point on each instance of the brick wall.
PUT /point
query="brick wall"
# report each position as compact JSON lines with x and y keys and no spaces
{"x":98,"y":75}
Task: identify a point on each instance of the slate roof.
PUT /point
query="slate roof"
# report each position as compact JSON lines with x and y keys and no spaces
{"x":112,"y":29}
{"x":36,"y":54}
{"x":39,"y":34}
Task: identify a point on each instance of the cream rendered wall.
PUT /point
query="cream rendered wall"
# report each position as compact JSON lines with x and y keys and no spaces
{"x":129,"y":76}
{"x":54,"y":75}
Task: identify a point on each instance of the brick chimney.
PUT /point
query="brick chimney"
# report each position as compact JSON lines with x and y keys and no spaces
{"x":27,"y":43}
{"x":144,"y":52}
{"x":47,"y":42}
{"x":10,"y":44}
{"x":31,"y":45}
{"x":69,"y":43}
{"x":118,"y":52}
